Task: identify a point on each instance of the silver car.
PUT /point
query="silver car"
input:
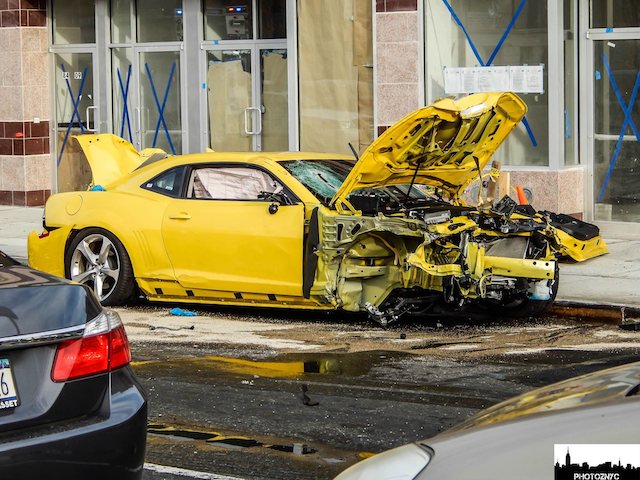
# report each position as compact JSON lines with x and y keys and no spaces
{"x":515,"y":438}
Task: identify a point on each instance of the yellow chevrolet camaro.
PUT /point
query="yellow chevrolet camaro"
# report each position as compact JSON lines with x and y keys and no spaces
{"x":388,"y":234}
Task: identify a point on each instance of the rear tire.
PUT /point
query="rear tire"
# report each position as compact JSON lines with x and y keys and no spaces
{"x":98,"y":259}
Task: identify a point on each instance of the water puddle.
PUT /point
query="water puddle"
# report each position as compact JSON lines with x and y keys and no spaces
{"x":284,"y":366}
{"x":223,"y":441}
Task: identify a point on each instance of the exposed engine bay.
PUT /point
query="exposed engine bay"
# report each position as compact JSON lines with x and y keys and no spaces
{"x":430,"y":257}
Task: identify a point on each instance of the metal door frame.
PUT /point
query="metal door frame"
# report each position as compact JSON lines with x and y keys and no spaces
{"x":255,"y":45}
{"x":587,"y":141}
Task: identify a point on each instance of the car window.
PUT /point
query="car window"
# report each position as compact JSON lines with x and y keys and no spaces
{"x":168,"y":183}
{"x":231,"y":183}
{"x":322,"y":177}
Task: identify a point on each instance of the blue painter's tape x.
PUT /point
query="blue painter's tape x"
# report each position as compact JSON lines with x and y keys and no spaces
{"x":125,"y":106}
{"x":496,"y":50}
{"x":76,"y":103}
{"x":628,"y":121}
{"x":162,"y":106}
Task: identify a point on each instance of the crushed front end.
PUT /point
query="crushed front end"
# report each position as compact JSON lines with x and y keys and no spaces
{"x":435,"y":259}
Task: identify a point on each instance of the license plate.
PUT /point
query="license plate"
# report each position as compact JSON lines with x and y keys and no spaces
{"x":8,"y":392}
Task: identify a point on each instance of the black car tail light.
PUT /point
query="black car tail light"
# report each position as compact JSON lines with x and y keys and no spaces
{"x":103,"y":348}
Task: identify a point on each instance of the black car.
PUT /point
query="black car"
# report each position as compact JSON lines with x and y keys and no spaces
{"x":70,"y":405}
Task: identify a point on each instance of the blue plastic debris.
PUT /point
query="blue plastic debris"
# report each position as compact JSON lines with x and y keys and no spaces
{"x":179,"y":312}
{"x":97,"y":188}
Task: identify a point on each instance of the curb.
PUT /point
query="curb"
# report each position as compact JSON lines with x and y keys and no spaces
{"x":611,"y":314}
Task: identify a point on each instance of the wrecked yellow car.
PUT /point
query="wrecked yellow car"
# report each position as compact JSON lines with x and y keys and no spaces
{"x":388,"y":234}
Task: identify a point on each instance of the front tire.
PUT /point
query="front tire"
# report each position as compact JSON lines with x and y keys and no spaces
{"x":98,"y":259}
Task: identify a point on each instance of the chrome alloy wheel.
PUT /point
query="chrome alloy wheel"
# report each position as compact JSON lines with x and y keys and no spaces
{"x":95,"y":262}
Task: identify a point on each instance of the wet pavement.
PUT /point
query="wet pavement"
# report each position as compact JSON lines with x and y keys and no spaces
{"x":304,"y":397}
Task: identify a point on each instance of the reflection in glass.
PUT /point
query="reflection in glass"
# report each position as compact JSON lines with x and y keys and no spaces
{"x":121,"y":21}
{"x":616,"y":143}
{"x":526,"y":44}
{"x":160,"y":103}
{"x":229,"y":95}
{"x":74,"y":21}
{"x":272,"y":19}
{"x":159,"y":20}
{"x":275,"y":100}
{"x":73,"y":95}
{"x":615,"y":13}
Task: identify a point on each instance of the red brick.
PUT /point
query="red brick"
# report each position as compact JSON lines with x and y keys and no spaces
{"x":14,"y":130}
{"x":24,"y":18}
{"x":33,"y":146}
{"x":402,"y":5}
{"x":13,"y":5}
{"x":19,"y":199}
{"x":4,"y":4}
{"x":2,"y":129}
{"x":381,"y":129}
{"x":38,"y":130}
{"x":47,"y":194}
{"x":18,"y":147}
{"x":6,"y":146}
{"x":28,"y":4}
{"x":35,"y":198}
{"x":37,"y":18}
{"x":46,"y":146}
{"x":11,"y":18}
{"x":380,"y":6}
{"x":6,"y":198}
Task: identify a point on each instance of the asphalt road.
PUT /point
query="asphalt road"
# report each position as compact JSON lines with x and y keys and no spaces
{"x":237,"y":409}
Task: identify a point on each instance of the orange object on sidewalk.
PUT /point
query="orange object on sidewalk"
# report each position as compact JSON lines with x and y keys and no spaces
{"x":522,"y":197}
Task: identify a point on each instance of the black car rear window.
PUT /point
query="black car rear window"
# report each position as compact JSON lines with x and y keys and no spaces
{"x":41,"y":308}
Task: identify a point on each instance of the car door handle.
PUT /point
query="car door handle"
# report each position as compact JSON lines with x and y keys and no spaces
{"x":180,"y":216}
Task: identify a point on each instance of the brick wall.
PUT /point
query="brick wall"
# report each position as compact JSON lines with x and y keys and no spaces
{"x":25,"y":160}
{"x":23,"y":13}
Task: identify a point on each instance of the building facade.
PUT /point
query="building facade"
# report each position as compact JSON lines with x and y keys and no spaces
{"x":186,"y":75}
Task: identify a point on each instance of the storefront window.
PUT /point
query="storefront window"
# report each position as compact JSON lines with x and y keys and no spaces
{"x":159,"y":20}
{"x":121,"y":21}
{"x":616,"y":141}
{"x":524,"y":28}
{"x":335,"y":76}
{"x":570,"y":84}
{"x":233,"y":20}
{"x":615,"y":13}
{"x":74,"y":21}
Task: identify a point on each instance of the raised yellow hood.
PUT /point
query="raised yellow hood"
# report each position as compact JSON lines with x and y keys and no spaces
{"x":443,"y":145}
{"x":111,"y":157}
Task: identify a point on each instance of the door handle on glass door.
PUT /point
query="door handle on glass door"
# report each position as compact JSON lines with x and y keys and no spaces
{"x":179,"y":216}
{"x":89,"y":129}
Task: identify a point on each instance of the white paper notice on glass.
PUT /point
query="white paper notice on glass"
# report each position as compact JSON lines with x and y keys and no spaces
{"x":515,"y":78}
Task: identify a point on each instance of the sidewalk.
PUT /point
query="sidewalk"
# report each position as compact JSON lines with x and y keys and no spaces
{"x":610,"y":280}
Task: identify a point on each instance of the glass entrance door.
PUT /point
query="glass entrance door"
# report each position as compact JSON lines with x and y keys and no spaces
{"x":247,"y":98}
{"x":75,"y":113}
{"x":247,"y":74}
{"x":159,"y":113}
{"x":616,"y":128}
{"x":147,"y":97}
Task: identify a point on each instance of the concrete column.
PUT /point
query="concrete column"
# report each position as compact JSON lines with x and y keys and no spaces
{"x":25,"y":165}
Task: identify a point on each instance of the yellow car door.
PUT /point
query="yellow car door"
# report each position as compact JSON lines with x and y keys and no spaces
{"x":236,"y":232}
